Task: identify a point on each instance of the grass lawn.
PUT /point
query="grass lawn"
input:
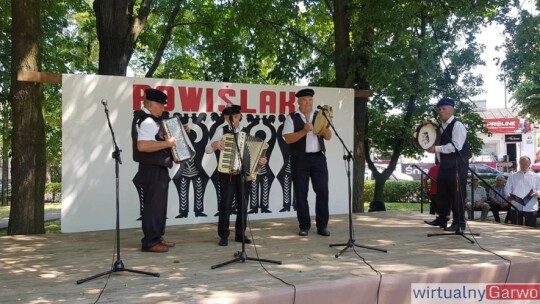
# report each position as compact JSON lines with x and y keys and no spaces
{"x":54,"y":227}
{"x":50,"y":227}
{"x":401,"y":206}
{"x":4,"y":210}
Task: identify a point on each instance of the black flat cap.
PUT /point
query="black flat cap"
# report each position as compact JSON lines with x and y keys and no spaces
{"x":156,"y":95}
{"x":446,"y":102}
{"x":230,"y":110}
{"x":305,"y":92}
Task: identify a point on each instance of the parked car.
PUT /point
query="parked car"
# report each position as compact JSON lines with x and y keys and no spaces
{"x":394,"y":176}
{"x":536,"y":167}
{"x":485,"y":171}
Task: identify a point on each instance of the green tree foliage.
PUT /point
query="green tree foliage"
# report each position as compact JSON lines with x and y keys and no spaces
{"x":408,"y":52}
{"x":411,"y":48}
{"x":241,"y":41}
{"x":418,"y":51}
{"x":69,"y":46}
{"x":521,"y":66}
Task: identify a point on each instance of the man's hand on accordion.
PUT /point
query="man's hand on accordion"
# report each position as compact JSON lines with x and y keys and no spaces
{"x":171,"y":141}
{"x":218,"y":145}
{"x":263,"y":160}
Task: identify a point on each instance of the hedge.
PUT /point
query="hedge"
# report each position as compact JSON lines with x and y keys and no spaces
{"x":402,"y":191}
{"x":394,"y":191}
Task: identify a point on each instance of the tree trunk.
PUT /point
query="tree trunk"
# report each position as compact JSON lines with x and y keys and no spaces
{"x":118,"y":31}
{"x":28,"y":140}
{"x":5,"y":168}
{"x":360,"y":114}
{"x":165,"y":40}
{"x":5,"y":156}
{"x":343,"y":61}
{"x":361,"y":62}
{"x":377,"y":204}
{"x":342,"y":42}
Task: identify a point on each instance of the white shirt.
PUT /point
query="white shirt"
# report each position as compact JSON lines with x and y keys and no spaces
{"x":312,"y":142}
{"x":148,"y":128}
{"x":459,"y":134}
{"x":218,"y":135}
{"x":521,"y":184}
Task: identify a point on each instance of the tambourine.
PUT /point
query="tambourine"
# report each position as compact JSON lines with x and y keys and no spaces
{"x":427,"y":135}
{"x":321,"y":122}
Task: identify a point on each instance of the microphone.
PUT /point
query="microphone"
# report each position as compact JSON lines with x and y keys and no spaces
{"x":104,"y":103}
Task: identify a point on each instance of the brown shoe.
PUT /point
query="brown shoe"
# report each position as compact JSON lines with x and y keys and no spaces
{"x":156,"y":248}
{"x":167,"y":243}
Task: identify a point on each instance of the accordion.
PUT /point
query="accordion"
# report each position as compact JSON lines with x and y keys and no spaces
{"x":184,"y":150}
{"x":251,"y":150}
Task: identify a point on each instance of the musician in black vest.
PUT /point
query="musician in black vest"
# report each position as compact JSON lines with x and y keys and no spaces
{"x":308,"y":160}
{"x":230,"y":184}
{"x":151,"y":149}
{"x":453,"y":168}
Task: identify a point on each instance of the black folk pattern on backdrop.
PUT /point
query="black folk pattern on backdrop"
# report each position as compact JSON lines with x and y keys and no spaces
{"x":191,"y":174}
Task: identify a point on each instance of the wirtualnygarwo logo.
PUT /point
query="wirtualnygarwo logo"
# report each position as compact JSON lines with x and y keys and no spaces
{"x":457,"y":293}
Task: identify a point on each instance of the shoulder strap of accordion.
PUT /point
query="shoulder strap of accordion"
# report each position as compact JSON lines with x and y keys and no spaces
{"x":144,"y":116}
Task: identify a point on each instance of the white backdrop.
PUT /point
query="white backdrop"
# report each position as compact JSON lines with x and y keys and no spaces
{"x":88,"y":169}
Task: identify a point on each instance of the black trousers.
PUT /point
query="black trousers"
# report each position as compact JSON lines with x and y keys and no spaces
{"x":495,"y":209}
{"x":230,"y":186}
{"x":517,"y":219}
{"x":530,"y":218}
{"x":451,"y":192}
{"x":314,"y":167}
{"x":432,"y":204}
{"x":152,"y":183}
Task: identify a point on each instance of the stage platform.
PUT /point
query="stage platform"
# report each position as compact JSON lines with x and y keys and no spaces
{"x":45,"y":268}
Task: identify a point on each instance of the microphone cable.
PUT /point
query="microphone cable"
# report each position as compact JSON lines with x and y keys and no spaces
{"x":262,"y":265}
{"x":361,"y":257}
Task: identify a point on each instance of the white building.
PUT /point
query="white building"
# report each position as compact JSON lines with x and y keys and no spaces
{"x":511,"y":137}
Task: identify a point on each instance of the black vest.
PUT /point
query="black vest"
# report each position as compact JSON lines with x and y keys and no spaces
{"x":159,"y":158}
{"x":298,"y":149}
{"x":448,"y":161}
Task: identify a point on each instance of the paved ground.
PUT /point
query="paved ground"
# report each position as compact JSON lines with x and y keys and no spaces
{"x":44,"y":268}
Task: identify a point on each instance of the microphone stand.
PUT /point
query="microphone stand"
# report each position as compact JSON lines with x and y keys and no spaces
{"x":241,"y":256}
{"x":118,"y":265}
{"x":458,"y":195}
{"x":348,"y":157}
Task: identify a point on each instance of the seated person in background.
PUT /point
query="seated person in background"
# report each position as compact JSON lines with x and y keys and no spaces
{"x":479,"y":197}
{"x":522,"y":184}
{"x":495,"y":201}
{"x":433,"y":172}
